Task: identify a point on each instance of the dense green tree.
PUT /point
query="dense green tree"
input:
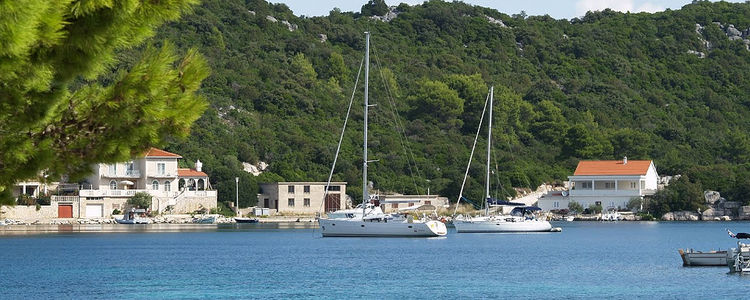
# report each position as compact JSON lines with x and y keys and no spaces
{"x":437,"y":102}
{"x":62,"y":109}
{"x":603,"y":86}
{"x":374,"y":8}
{"x":681,"y":194}
{"x":140,"y":200}
{"x":575,"y":206}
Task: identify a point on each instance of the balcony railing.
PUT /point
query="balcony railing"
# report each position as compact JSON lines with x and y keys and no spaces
{"x":155,"y":193}
{"x":589,"y":192}
{"x":126,"y":174}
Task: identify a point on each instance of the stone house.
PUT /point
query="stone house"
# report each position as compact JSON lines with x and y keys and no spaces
{"x":302,"y":198}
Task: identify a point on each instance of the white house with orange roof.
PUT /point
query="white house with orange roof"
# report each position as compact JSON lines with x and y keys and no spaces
{"x":609,"y":183}
{"x":175,"y":190}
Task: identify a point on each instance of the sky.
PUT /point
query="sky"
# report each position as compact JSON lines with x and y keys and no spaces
{"x":559,"y":9}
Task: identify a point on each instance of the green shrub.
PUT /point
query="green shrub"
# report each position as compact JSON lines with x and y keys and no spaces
{"x":646,"y":217}
{"x":116,"y":211}
{"x":24,"y":199}
{"x":223,"y":209}
{"x":575,"y":206}
{"x":140,"y":200}
{"x":595,"y":209}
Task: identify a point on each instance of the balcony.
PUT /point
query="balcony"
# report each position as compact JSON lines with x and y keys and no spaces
{"x":126,"y":174}
{"x":163,"y":176}
{"x":130,"y":193}
{"x":618,"y":193}
{"x":124,"y":193}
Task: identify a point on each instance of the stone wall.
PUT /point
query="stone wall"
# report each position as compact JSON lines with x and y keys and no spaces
{"x":191,"y":204}
{"x":28,"y":212}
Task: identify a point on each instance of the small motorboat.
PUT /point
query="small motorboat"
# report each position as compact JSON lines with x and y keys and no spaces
{"x":612,"y":215}
{"x":739,"y":259}
{"x":205,"y":220}
{"x":570,"y":218}
{"x":691,"y":257}
{"x":246,"y":220}
{"x":134,"y":216}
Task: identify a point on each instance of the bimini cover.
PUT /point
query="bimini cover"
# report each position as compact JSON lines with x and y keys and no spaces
{"x":495,"y":201}
{"x":415,"y":208}
{"x":520,"y":211}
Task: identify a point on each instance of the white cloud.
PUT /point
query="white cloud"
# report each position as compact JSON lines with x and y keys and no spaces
{"x":583,"y":6}
{"x":649,"y":7}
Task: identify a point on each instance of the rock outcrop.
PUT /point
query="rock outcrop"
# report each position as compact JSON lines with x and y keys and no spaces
{"x":681,"y":216}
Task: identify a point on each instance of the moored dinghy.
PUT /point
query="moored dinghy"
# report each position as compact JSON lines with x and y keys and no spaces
{"x":691,"y":257}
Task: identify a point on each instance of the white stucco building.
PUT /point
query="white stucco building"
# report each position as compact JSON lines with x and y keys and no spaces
{"x":394,"y":202}
{"x":610,"y":183}
{"x":108,"y":188}
{"x":176,"y":190}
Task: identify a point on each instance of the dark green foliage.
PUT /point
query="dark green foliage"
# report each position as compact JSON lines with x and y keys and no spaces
{"x":681,"y":194}
{"x":604,"y":86}
{"x":575,"y":206}
{"x":140,"y":200}
{"x":223,"y":209}
{"x":374,"y":8}
{"x":595,"y":209}
{"x":65,"y":103}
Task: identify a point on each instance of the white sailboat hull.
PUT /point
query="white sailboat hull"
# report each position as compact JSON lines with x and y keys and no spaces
{"x":488,"y":225}
{"x":360,"y":228}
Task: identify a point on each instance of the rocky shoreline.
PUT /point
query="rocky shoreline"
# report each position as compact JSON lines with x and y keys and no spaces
{"x":168,"y":219}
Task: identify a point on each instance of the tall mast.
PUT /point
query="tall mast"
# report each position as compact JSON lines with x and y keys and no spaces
{"x":489,"y":146}
{"x":365,"y":196}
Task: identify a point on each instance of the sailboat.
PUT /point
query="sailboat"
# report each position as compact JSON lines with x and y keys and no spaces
{"x":370,"y":220}
{"x":521,"y":217}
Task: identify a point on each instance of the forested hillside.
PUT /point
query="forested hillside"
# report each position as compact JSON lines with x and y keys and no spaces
{"x":671,"y":86}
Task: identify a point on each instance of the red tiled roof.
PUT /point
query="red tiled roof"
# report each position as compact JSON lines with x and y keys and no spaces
{"x":612,"y":167}
{"x":190,"y":173}
{"x":154,"y":152}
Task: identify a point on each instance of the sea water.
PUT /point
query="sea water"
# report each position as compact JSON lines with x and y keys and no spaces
{"x":586,"y":260}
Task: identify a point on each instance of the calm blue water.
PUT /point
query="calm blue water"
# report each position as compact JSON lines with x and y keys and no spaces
{"x":586,"y":260}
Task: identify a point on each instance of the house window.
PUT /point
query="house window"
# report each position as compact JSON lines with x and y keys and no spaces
{"x":394,"y":205}
{"x":307,"y":202}
{"x":112,"y":169}
{"x":155,"y":185}
{"x":633,"y":185}
{"x":130,"y":168}
{"x":556,"y":204}
{"x":586,"y":185}
{"x":334,"y":188}
{"x":113,"y":185}
{"x":290,"y":189}
{"x":290,"y":202}
{"x":643,"y":184}
{"x":306,"y":189}
{"x":609,"y":185}
{"x":167,"y":186}
{"x":161,"y":168}
{"x":411,"y":204}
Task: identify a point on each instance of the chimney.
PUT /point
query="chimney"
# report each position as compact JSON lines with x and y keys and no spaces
{"x":198,"y":165}
{"x":624,"y":160}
